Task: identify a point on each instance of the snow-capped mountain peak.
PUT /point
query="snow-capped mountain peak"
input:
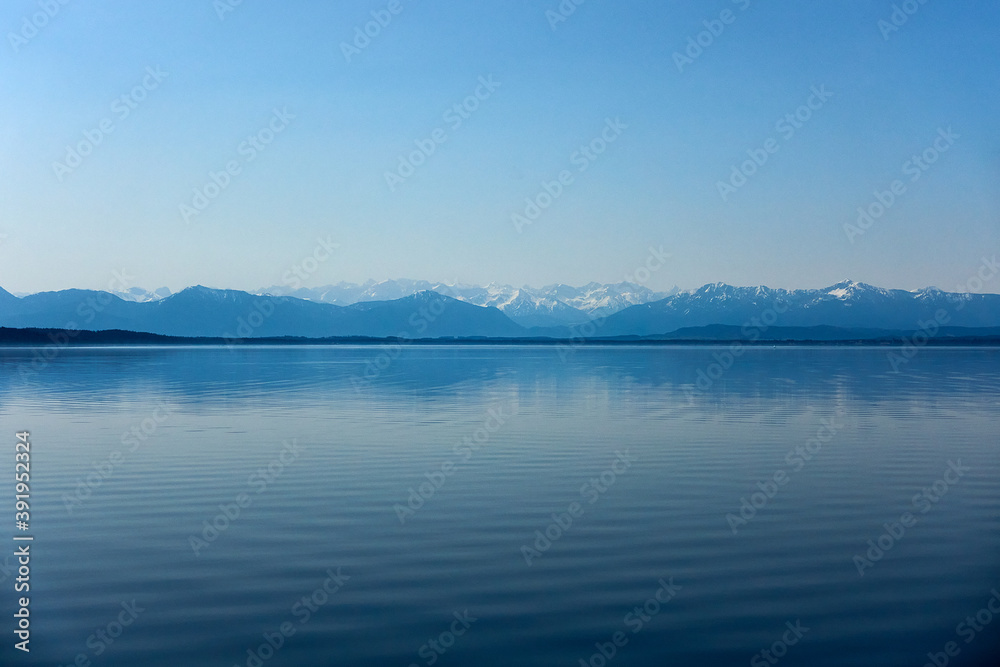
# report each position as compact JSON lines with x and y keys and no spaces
{"x":140,"y":295}
{"x":552,"y":305}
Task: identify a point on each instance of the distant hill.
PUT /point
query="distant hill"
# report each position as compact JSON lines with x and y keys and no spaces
{"x":712,"y":335}
{"x":845,"y":311}
{"x":552,"y":305}
{"x":200,"y":311}
{"x":845,"y":305}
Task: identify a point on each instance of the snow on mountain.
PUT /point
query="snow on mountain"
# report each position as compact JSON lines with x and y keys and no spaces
{"x":599,"y":300}
{"x":140,"y":295}
{"x":553,"y":305}
{"x":497,"y":310}
{"x":845,"y":304}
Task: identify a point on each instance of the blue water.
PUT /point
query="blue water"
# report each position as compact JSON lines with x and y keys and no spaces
{"x":640,"y":457}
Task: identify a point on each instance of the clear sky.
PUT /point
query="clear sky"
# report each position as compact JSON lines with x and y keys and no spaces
{"x":677,"y":129}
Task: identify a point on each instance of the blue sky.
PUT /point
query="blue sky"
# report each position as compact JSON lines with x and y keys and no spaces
{"x":681,"y":130}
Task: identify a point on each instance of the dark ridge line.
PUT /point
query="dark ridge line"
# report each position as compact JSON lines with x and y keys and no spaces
{"x":35,"y":337}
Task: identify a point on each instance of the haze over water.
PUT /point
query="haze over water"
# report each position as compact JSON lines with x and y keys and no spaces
{"x":330,"y":473}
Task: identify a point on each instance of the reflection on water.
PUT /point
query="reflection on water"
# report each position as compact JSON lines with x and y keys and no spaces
{"x":357,"y":509}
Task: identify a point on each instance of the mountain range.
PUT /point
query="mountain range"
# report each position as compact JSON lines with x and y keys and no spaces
{"x":416,"y":309}
{"x":553,"y":305}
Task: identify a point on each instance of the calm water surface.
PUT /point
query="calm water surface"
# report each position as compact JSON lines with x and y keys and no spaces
{"x":512,"y":505}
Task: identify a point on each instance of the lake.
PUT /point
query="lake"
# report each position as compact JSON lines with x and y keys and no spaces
{"x":524,"y":505}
